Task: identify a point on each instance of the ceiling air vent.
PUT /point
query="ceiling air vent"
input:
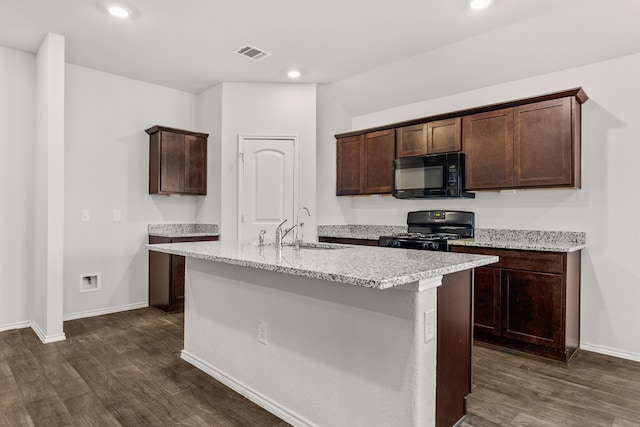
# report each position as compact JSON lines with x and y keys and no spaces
{"x":252,"y":52}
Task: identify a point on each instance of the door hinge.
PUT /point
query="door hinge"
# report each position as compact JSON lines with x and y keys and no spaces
{"x":241,"y":155}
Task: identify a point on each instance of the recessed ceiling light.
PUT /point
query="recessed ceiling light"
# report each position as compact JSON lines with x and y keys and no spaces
{"x":479,"y":4}
{"x":119,"y":11}
{"x":294,"y":74}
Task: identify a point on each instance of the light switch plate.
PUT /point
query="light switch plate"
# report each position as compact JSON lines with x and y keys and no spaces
{"x":85,"y":216}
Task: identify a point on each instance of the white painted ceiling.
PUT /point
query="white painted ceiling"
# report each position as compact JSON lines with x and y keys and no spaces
{"x":189,"y":44}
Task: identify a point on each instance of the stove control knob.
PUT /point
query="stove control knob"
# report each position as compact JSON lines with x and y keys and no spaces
{"x":435,"y":246}
{"x":425,"y":245}
{"x":395,"y":244}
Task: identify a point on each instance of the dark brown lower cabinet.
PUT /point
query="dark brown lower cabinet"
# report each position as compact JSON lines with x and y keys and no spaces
{"x":166,"y":274}
{"x":529,"y":301}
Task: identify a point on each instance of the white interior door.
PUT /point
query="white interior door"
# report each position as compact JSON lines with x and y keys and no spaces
{"x":267,"y":185}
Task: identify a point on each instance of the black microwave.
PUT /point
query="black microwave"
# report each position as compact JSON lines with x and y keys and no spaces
{"x":434,"y":176}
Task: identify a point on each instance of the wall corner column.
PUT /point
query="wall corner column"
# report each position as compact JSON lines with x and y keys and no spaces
{"x":49,"y":190}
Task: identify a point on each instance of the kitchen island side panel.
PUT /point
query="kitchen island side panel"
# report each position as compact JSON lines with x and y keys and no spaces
{"x":336,"y":355}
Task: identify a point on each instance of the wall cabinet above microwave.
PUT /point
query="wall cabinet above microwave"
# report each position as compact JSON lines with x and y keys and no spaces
{"x":177,"y":161}
{"x":527,"y":143}
{"x":436,"y":137}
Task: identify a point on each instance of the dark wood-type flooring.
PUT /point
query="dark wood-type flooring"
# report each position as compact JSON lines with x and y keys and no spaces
{"x":124,"y":369}
{"x":120,"y":369}
{"x":515,"y":390}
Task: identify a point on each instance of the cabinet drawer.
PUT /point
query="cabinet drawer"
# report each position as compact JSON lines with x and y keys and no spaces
{"x":545,"y":262}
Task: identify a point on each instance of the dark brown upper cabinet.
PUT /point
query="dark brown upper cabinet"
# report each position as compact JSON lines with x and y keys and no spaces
{"x":411,"y":140}
{"x":349,"y":154}
{"x":546,"y":144}
{"x":444,"y":136}
{"x":177,"y":161}
{"x":526,"y":143}
{"x":379,"y":151}
{"x":488,"y":148}
{"x":536,"y":145}
{"x":440,"y":136}
{"x":365,"y":163}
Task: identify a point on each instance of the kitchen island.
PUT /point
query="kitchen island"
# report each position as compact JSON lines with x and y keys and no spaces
{"x":332,"y":335}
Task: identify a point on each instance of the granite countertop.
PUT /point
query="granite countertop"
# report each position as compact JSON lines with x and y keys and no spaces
{"x":363,"y":232}
{"x":371,"y":267}
{"x":545,"y":241}
{"x":183,"y":230}
{"x":534,"y":240}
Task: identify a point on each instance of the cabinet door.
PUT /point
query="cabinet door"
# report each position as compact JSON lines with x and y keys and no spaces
{"x":176,"y":289}
{"x":349,"y":157}
{"x":444,"y":136}
{"x":379,"y":152}
{"x":159,"y":275}
{"x":195,"y":165}
{"x":411,"y":141}
{"x":486,"y":301}
{"x":171,"y":162}
{"x":488,"y":148}
{"x":532,"y":307}
{"x":543,"y":144}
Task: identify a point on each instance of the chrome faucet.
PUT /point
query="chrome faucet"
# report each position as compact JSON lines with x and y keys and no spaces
{"x":280,"y":234}
{"x":299,"y":237}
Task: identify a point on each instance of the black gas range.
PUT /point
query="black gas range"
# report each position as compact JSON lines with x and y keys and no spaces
{"x":432,"y":230}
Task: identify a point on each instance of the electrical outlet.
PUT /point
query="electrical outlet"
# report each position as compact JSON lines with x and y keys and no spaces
{"x":116,"y":215}
{"x":262,"y":332}
{"x":429,"y":325}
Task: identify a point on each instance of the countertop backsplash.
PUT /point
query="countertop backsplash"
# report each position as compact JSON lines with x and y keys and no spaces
{"x":540,"y":240}
{"x":369,"y":232}
{"x":182,"y":230}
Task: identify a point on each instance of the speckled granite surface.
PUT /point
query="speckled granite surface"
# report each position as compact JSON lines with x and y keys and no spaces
{"x":547,"y":241}
{"x":366,"y":232}
{"x":183,"y":230}
{"x":536,"y":240}
{"x":370,"y":267}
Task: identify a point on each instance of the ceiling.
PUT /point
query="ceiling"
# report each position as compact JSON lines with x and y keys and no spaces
{"x":189,"y":45}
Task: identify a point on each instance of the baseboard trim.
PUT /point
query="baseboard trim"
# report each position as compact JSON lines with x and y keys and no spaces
{"x":18,"y":325}
{"x":102,"y":311}
{"x":257,"y":398}
{"x":610,"y":351}
{"x":47,"y":339}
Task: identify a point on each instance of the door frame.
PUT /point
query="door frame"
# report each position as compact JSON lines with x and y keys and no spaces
{"x":242,"y":137}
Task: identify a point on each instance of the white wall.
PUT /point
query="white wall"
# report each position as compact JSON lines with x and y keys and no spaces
{"x":267,"y":109}
{"x":332,"y":119}
{"x":17,"y":151}
{"x":106,"y":169}
{"x":210,"y":121}
{"x":605,"y":207}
